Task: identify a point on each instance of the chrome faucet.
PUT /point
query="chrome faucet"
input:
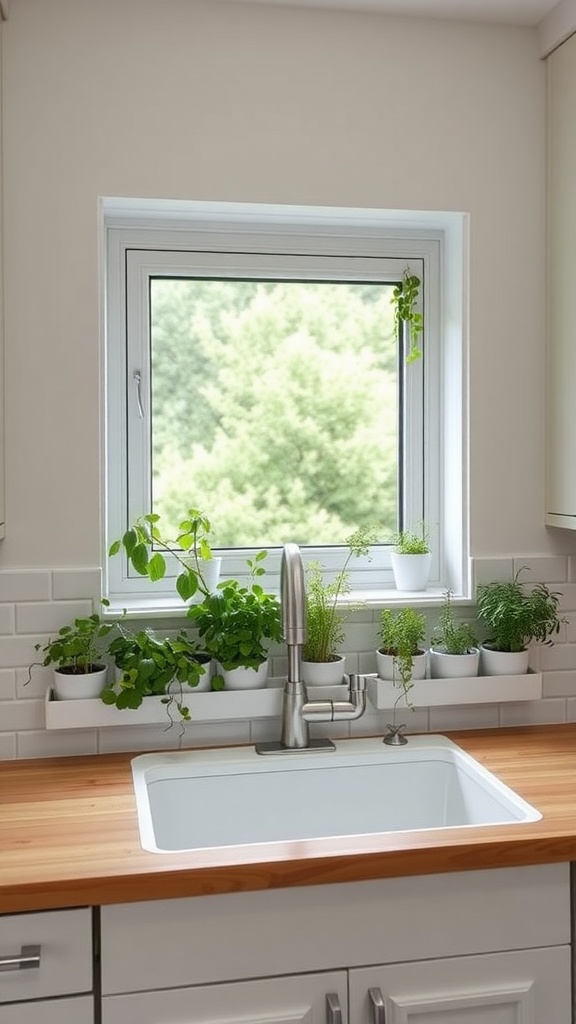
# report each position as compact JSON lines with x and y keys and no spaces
{"x":297,"y":710}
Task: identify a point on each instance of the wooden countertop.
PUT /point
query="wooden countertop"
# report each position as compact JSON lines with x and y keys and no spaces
{"x":69,"y":832}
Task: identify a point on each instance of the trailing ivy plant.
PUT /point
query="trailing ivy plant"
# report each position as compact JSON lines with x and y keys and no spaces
{"x":190,"y":548}
{"x":324,"y":618}
{"x":404,"y":297}
{"x":150,"y":664}
{"x":237,"y":623}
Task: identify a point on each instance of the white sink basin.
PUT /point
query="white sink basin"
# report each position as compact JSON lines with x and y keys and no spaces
{"x":201,"y":799}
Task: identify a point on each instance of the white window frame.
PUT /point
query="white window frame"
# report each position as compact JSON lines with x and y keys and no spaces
{"x":152,"y":238}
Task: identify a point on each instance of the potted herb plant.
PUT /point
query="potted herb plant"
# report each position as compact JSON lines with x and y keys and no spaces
{"x":322,"y":663}
{"x":515,"y":617}
{"x":76,"y":653}
{"x":411,"y":560}
{"x":146,"y":546}
{"x":454,"y":649}
{"x":401,"y":655}
{"x":404,"y":299}
{"x":237,"y":624}
{"x":149,"y":664}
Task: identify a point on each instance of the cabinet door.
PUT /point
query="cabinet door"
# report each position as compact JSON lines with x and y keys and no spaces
{"x":305,"y":999}
{"x":528,"y":987}
{"x":78,"y":1010}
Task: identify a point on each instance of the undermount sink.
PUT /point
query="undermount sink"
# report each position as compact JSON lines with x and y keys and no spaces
{"x":202,"y":799}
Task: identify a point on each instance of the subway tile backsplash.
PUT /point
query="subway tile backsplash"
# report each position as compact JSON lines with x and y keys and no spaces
{"x":35,"y":604}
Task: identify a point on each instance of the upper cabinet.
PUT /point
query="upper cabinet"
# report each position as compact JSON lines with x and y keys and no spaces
{"x":561,"y":287}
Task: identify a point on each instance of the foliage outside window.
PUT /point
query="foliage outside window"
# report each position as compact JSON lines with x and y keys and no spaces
{"x":275,"y":390}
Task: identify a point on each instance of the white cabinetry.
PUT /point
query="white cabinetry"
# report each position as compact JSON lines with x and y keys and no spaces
{"x":561,"y":293}
{"x":44,"y":956}
{"x":525,"y":988}
{"x":486,"y":947}
{"x":306,"y":999}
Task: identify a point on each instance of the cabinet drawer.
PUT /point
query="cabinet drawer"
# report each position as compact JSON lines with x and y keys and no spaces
{"x":205,"y":939}
{"x":78,"y":1010}
{"x":65,"y":940}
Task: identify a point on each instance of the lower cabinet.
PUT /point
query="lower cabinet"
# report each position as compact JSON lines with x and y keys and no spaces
{"x":307,"y":999}
{"x":488,"y":947}
{"x":529,"y":987}
{"x":46,"y":970}
{"x":77,"y":1010}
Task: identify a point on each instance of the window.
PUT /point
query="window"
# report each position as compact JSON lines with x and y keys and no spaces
{"x":253,"y":370}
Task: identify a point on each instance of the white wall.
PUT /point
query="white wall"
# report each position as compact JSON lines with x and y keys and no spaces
{"x":205,"y":100}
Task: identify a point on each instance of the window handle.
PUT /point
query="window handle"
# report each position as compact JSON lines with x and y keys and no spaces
{"x":138,"y":381}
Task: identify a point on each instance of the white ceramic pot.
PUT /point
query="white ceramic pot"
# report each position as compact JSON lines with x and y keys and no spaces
{"x":453,"y":666}
{"x":71,"y":686}
{"x":243,"y":678}
{"x":204,"y":682}
{"x":387,"y":667}
{"x":211,"y":572}
{"x":502,"y":663}
{"x":323,"y":673}
{"x":411,"y":572}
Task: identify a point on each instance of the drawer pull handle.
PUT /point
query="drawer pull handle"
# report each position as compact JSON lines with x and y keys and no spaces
{"x":29,"y":959}
{"x":378,"y":1007}
{"x":333,"y":1009}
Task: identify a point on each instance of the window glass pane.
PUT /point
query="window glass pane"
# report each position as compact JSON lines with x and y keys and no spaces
{"x":274,"y":407}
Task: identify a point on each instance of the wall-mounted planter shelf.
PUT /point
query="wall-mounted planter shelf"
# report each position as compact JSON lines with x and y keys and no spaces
{"x":228,"y":705}
{"x":232,"y":705}
{"x":433,"y":693}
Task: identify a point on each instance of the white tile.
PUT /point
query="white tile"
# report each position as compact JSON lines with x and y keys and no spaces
{"x":374,"y":723}
{"x":469,"y":716}
{"x":16,"y":652}
{"x":367,"y":662}
{"x":149,"y":737}
{"x":33,"y":684}
{"x":571,"y":709}
{"x":557,"y":658}
{"x":534,"y":712}
{"x":7,"y":685}
{"x":559,"y":684}
{"x":7,"y":619}
{"x":359,"y":636}
{"x":54,"y":743}
{"x":551,"y":569}
{"x":16,"y":715}
{"x":49,"y":616}
{"x":73,"y":584}
{"x":26,"y":585}
{"x":7,"y":746}
{"x":567,"y":593}
{"x":487,"y":569}
{"x":569,"y":633}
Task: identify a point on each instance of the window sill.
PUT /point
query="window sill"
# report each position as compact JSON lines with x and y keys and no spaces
{"x":171,"y":608}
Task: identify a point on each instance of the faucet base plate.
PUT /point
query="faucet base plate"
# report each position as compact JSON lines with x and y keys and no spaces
{"x":320,"y":746}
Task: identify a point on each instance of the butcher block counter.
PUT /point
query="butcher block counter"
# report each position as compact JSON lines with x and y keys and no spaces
{"x":69,"y":832}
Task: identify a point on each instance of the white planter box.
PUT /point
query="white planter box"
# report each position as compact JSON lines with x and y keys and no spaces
{"x":227,"y":705}
{"x":430,"y":693}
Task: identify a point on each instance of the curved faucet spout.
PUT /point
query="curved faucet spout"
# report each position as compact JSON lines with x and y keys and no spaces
{"x":293,"y":596}
{"x":297,"y":711}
